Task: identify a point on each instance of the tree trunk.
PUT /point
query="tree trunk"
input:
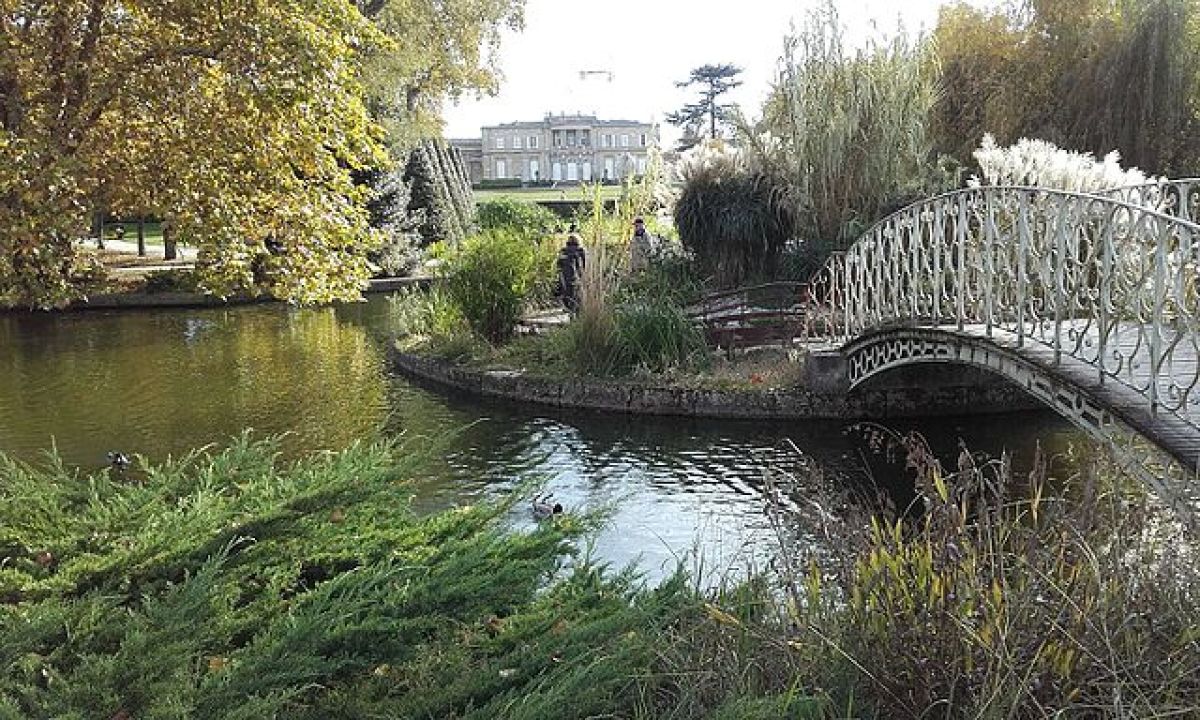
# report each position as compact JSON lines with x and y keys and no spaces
{"x":170,"y":251}
{"x":141,"y":237}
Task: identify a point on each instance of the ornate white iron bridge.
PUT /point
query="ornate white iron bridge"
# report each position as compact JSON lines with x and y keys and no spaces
{"x":1089,"y":301}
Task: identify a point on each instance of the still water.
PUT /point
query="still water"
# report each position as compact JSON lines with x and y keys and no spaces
{"x":163,"y":383}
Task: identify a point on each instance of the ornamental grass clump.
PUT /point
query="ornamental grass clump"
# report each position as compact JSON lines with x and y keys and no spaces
{"x":1002,"y":596}
{"x":1038,"y":163}
{"x":732,"y":215}
{"x":848,"y":131}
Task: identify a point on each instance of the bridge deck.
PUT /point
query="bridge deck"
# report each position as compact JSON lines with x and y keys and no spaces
{"x":1165,"y":428}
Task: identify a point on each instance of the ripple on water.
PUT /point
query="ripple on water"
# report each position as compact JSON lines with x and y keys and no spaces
{"x":163,"y":383}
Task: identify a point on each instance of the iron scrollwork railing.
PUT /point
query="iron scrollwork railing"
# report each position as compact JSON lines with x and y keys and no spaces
{"x":1110,"y":281}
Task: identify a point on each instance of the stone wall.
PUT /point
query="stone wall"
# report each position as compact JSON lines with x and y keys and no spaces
{"x":955,"y":391}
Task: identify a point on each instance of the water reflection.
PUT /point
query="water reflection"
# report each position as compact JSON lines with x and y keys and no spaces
{"x":163,"y":383}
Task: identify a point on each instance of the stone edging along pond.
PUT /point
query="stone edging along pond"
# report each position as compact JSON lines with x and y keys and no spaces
{"x":969,"y":393}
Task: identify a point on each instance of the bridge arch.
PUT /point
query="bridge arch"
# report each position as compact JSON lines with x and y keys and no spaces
{"x":1160,"y":449}
{"x":1091,"y":302}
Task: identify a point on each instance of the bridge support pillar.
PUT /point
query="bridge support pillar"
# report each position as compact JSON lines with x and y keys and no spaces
{"x":825,"y":373}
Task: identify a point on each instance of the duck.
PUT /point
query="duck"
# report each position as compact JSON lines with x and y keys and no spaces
{"x":543,"y":507}
{"x":118,"y":461}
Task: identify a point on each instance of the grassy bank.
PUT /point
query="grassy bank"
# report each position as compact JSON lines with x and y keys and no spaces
{"x":234,"y":586}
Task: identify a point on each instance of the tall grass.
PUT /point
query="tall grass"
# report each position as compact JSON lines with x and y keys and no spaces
{"x":733,"y":215}
{"x":848,"y":131}
{"x":995,"y":595}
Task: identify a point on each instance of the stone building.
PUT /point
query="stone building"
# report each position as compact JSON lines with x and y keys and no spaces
{"x":472,"y":155}
{"x":567,"y":149}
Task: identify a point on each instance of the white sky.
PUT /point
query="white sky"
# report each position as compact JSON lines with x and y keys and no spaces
{"x":648,"y":45}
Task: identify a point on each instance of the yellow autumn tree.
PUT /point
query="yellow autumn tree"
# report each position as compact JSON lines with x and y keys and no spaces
{"x":441,"y":49}
{"x":237,"y":123}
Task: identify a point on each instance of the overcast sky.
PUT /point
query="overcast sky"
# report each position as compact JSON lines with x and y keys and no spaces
{"x":647,"y":45}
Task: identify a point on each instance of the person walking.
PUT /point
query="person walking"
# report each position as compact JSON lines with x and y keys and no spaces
{"x":571,"y":261}
{"x":639,"y":247}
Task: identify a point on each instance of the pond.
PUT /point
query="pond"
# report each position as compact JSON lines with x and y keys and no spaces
{"x":163,"y":383}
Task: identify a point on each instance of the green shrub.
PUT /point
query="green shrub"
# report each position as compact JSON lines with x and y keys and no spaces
{"x":425,"y":312}
{"x":670,"y":274}
{"x":510,"y":214}
{"x":491,"y":281}
{"x":657,"y":336}
{"x":498,"y":183}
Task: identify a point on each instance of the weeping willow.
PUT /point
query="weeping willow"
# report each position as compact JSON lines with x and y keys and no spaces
{"x":1138,"y":94}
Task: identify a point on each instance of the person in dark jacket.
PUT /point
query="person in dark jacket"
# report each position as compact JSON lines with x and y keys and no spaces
{"x":571,"y":260}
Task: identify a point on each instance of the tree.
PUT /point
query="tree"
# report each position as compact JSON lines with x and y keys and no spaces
{"x":1089,"y":75}
{"x":715,"y":80}
{"x":441,"y":49}
{"x":238,"y":123}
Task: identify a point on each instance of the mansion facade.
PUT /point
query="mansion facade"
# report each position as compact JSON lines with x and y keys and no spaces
{"x":562,"y":149}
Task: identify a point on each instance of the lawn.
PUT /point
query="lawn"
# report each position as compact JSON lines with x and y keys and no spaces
{"x":575,"y":192}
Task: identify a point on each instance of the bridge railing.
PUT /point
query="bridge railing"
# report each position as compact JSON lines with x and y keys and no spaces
{"x":1105,"y":281}
{"x":1180,"y":198}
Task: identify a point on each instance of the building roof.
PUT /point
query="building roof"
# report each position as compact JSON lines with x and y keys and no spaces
{"x":559,"y":120}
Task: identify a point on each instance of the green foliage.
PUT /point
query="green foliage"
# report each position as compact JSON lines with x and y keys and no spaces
{"x":732,"y":215}
{"x":387,"y":207}
{"x":1091,"y":76}
{"x":846,"y":134}
{"x":429,"y":313}
{"x":233,"y":586}
{"x":515,"y":216}
{"x":498,"y":183}
{"x":656,"y":335}
{"x":491,"y":280}
{"x":639,"y":324}
{"x":439,"y":51}
{"x":440,"y":195}
{"x":169,"y":116}
{"x":670,"y":276}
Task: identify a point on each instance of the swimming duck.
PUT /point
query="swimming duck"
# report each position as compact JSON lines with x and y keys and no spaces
{"x":118,"y":461}
{"x":543,"y":508}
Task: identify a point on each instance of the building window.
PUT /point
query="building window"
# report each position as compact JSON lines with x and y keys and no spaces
{"x":557,"y":171}
{"x":587,"y":171}
{"x":501,"y":169}
{"x":517,"y":143}
{"x":643,"y":139}
{"x":585,"y":138}
{"x":570,"y":138}
{"x":572,"y":171}
{"x":558,"y":138}
{"x":535,"y":170}
{"x":641,"y":166}
{"x":499,"y":143}
{"x":624,"y":141}
{"x":533,"y":142}
{"x":609,"y":169}
{"x":606,"y":140}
